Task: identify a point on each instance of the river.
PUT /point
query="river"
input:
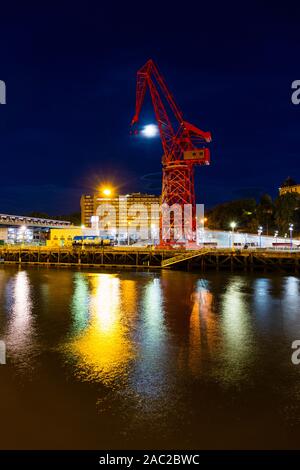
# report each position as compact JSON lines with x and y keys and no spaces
{"x":168,"y":359}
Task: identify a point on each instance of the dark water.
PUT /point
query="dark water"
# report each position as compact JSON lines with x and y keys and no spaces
{"x":148,"y":360}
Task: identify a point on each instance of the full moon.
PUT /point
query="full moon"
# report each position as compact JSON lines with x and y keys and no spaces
{"x":151,"y":130}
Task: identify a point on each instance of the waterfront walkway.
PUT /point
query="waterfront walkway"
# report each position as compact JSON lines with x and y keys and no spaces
{"x":127,"y":257}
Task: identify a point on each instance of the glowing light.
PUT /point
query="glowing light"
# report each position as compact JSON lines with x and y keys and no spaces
{"x":151,"y":130}
{"x":233,"y":225}
{"x":107,"y":192}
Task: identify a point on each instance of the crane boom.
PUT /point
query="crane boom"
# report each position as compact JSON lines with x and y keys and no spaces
{"x":184,"y":145}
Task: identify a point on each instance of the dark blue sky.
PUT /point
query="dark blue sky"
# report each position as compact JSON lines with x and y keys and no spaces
{"x":70,"y":75}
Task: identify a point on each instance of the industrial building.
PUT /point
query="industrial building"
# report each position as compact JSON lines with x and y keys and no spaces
{"x":65,"y":237}
{"x":19,"y":229}
{"x":127,"y":213}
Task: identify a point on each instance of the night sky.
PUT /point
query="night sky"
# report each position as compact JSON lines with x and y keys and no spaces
{"x":70,"y":73}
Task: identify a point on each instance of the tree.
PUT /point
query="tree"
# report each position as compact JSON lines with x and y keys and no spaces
{"x":38,"y":215}
{"x":289,"y":182}
{"x":265,"y":212}
{"x":241,"y":211}
{"x":74,"y":218}
{"x":287,"y":211}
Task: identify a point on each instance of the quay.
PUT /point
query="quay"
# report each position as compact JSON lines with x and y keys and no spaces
{"x":122,"y":257}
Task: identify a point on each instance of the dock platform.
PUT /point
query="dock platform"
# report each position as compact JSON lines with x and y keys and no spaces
{"x":119,"y":257}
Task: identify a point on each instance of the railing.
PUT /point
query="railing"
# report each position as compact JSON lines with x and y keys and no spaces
{"x":185,"y":256}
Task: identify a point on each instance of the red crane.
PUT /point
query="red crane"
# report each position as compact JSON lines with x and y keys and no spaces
{"x":184,"y":145}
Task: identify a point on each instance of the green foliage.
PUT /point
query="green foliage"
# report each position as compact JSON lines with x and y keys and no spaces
{"x":241,"y":211}
{"x":265,"y":212}
{"x":74,"y":218}
{"x":249,"y":215}
{"x":287,"y":211}
{"x":39,"y":215}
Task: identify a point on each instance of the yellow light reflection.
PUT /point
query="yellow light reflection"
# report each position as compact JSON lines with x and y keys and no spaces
{"x":103,"y":348}
{"x":128,"y":295}
{"x":238,"y":350}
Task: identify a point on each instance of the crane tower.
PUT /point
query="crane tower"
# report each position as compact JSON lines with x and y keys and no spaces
{"x":184,"y":145}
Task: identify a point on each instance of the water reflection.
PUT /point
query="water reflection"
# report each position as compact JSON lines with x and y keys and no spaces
{"x":140,"y":334}
{"x":20,"y":339}
{"x":101,"y":345}
{"x":185,"y":358}
{"x":80,"y":303}
{"x":128,"y":299}
{"x":261,"y":289}
{"x":238,"y":348}
{"x":151,"y":374}
{"x":202,"y":328}
{"x":290,"y":306}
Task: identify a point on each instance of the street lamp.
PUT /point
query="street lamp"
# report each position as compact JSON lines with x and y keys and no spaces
{"x":128,"y":240}
{"x":275,"y":236}
{"x":106,"y":192}
{"x":232,"y":225}
{"x":153,"y":227}
{"x":291,"y":228}
{"x":259,"y":232}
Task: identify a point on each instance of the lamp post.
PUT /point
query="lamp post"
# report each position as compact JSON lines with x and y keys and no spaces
{"x":153,"y":234}
{"x":232,"y":225}
{"x":128,"y":223}
{"x":275,"y":236}
{"x":259,"y":232}
{"x":291,"y":228}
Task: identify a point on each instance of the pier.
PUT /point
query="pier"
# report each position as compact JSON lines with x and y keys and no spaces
{"x":119,"y":257}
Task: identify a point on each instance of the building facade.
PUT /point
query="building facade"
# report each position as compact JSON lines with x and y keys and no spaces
{"x":19,"y":229}
{"x":295,"y":189}
{"x":135,"y":211}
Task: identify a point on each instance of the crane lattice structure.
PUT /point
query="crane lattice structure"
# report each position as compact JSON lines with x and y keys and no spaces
{"x":184,"y":145}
